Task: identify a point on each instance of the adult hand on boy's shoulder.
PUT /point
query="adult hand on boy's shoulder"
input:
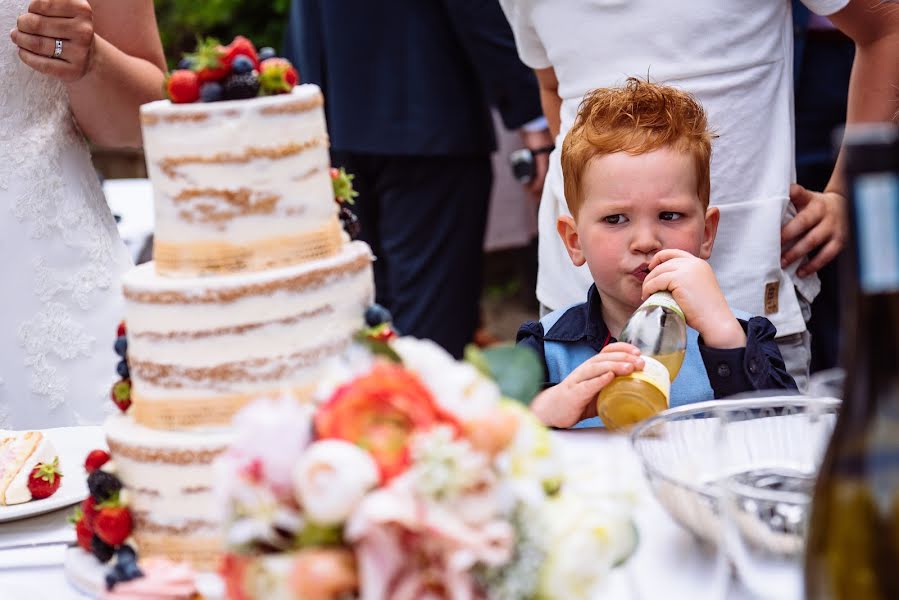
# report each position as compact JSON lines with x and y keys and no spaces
{"x":819,"y":224}
{"x":574,"y":399}
{"x":695,"y":288}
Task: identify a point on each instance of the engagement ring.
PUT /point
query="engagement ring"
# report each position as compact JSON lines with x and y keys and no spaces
{"x":57,"y":53}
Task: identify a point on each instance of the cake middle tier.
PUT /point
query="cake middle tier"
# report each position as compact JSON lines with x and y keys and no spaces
{"x":201,"y":348}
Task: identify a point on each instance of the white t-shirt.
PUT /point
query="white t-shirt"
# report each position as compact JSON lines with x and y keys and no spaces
{"x":736,"y":57}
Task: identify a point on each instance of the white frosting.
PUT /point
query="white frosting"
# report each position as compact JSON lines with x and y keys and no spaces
{"x":300,"y":181}
{"x":317,"y":321}
{"x":167,"y":493}
{"x":17,"y":492}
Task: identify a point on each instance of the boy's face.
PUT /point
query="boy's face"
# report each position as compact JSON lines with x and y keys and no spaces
{"x":635,"y":206}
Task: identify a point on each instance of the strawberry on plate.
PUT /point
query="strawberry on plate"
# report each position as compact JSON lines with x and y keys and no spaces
{"x":113,"y":524}
{"x":44,"y":480}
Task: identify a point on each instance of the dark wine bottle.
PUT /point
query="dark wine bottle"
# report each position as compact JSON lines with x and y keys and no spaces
{"x":852,"y":547}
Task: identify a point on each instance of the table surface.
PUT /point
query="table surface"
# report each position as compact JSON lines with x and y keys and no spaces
{"x":668,"y":562}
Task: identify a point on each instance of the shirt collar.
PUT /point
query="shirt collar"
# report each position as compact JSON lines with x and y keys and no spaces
{"x":582,"y":322}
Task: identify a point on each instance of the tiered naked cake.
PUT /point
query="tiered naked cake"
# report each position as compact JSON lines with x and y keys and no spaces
{"x":254,"y":285}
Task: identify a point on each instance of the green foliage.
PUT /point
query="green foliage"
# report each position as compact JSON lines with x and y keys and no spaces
{"x":516,"y":369}
{"x":182,"y":21}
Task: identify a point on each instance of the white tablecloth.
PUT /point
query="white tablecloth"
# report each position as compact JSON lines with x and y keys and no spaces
{"x":668,"y":563}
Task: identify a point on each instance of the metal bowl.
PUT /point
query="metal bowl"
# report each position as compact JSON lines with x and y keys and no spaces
{"x":752,"y":444}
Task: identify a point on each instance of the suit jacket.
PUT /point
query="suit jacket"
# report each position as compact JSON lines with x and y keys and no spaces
{"x":412,"y":77}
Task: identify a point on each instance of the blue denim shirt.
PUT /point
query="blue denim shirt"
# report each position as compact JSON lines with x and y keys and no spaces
{"x":567,"y":337}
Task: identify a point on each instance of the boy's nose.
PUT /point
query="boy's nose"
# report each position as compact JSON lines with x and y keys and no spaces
{"x":646,"y":240}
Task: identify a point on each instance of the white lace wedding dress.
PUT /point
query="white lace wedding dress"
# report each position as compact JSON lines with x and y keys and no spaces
{"x":60,"y":256}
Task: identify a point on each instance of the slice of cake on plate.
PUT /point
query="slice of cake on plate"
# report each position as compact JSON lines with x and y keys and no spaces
{"x":20,"y":453}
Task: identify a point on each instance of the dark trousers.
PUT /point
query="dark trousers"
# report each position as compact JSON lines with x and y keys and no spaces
{"x":820,"y":108}
{"x":424,"y":218}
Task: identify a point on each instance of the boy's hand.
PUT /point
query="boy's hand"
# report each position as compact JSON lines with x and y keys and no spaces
{"x":574,"y":399}
{"x":693,"y":284}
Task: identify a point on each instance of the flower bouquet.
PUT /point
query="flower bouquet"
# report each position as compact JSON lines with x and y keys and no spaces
{"x":412,"y":476}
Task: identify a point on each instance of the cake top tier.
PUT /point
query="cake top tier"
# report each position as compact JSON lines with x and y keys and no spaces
{"x":240,"y":185}
{"x":301,"y":99}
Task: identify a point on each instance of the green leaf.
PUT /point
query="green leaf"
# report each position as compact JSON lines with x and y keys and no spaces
{"x":516,"y":369}
{"x":315,"y":534}
{"x":377,"y":347}
{"x":475,"y":357}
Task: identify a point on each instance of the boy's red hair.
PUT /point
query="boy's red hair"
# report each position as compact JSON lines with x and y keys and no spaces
{"x":637,"y":118}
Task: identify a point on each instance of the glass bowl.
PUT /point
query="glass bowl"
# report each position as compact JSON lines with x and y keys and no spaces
{"x":691,"y":455}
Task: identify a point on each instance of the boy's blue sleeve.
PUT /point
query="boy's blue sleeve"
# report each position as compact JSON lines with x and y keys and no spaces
{"x":530,"y":334}
{"x":757,"y":366}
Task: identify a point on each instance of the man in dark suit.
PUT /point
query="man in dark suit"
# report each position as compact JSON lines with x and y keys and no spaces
{"x":408,"y":86}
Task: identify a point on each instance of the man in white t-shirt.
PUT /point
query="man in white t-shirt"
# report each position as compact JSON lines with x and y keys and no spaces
{"x":736,"y":58}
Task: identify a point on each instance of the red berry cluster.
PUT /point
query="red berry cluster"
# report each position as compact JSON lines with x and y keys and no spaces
{"x":121,"y":389}
{"x":102,"y":522}
{"x":233,"y":72}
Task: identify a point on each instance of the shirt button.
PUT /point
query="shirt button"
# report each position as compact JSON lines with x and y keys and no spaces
{"x":723,"y":370}
{"x":753,"y":366}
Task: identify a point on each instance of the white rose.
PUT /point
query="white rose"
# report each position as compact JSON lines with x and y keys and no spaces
{"x":331,"y":478}
{"x":457,"y":386}
{"x":585,"y":541}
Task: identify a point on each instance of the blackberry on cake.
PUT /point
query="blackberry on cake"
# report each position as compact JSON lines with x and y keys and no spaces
{"x":241,"y":86}
{"x":103,"y":485}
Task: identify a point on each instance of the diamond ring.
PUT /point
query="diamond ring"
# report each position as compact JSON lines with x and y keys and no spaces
{"x":57,"y":53}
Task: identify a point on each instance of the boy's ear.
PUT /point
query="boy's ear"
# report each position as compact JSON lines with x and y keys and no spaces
{"x":712,"y":216}
{"x":568,"y":232}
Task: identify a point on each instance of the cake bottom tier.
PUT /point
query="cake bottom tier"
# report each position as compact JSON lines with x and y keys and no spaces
{"x":169,"y":481}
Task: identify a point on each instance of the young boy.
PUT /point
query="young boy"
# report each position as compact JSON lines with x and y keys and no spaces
{"x":636,"y":175}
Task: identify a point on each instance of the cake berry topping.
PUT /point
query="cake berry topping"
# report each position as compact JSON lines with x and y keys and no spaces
{"x":121,"y":346}
{"x":121,"y":394}
{"x":342,"y":183}
{"x":212,"y":91}
{"x":266,"y":53}
{"x":209,"y":61}
{"x":95,"y":460}
{"x":122,"y":369}
{"x":101,"y":549}
{"x":121,"y":329}
{"x":103,"y":486}
{"x":242,"y":64}
{"x":240,"y":46}
{"x":241,"y":86}
{"x":183,"y":86}
{"x":277,"y":76}
{"x":350,"y":222}
{"x":83,"y":534}
{"x":89,"y":511}
{"x":44,"y":479}
{"x":113,"y":524}
{"x":377,"y":314}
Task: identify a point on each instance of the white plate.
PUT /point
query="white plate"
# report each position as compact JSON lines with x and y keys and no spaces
{"x":73,"y":445}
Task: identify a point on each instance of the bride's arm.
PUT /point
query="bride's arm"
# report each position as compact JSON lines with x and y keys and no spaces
{"x":127,"y":70}
{"x":112,"y":60}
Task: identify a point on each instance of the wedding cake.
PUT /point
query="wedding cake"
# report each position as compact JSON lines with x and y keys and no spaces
{"x":254,"y":285}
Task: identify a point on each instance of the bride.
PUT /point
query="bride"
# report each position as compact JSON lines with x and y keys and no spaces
{"x":73,"y":68}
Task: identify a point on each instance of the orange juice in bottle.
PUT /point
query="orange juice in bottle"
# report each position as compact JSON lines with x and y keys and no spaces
{"x":658,"y":328}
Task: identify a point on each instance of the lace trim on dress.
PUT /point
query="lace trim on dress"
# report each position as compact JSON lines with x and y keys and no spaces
{"x":36,"y":127}
{"x":52,"y":333}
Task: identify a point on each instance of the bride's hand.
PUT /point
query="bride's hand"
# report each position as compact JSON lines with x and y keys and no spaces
{"x":39,"y":32}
